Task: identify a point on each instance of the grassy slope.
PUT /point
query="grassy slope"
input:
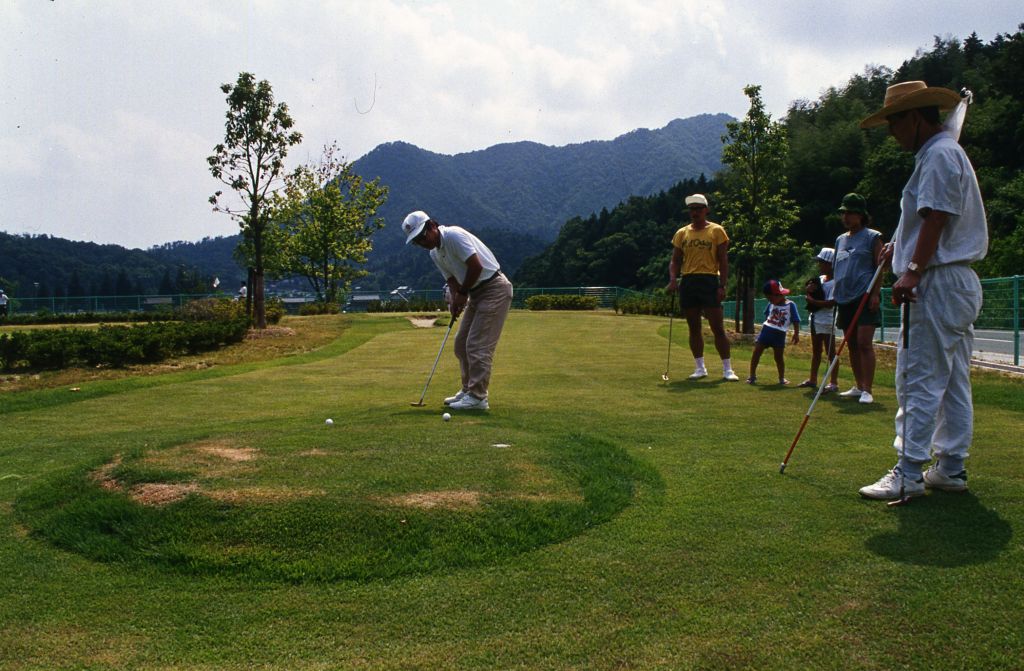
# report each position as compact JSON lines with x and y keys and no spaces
{"x":729,"y":565}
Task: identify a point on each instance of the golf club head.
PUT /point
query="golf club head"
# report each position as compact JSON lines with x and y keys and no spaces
{"x":782,"y":467}
{"x":902,"y":501}
{"x":417,"y":404}
{"x":664,"y":376}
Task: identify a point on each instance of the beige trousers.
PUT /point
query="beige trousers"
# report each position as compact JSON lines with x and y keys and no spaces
{"x":479,"y":332}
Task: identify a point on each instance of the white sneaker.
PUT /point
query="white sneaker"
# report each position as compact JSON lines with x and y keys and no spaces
{"x":698,"y":374}
{"x":730,"y":376}
{"x":936,"y":479}
{"x":888,"y":486}
{"x":866,"y":397}
{"x":851,"y":392}
{"x":455,"y":399}
{"x":470,"y":402}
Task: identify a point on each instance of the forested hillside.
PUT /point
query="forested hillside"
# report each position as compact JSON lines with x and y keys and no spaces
{"x":829,"y":155}
{"x":516,"y":196}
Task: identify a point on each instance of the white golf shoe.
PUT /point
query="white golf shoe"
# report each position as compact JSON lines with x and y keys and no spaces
{"x":866,"y":397}
{"x":455,"y":399}
{"x":934,"y":478}
{"x":730,"y":376}
{"x":470,"y":402}
{"x":852,"y":392}
{"x":888,"y":486}
{"x":698,"y":374}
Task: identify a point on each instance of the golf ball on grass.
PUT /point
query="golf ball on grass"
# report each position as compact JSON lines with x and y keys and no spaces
{"x":446,"y":416}
{"x":328,"y":421}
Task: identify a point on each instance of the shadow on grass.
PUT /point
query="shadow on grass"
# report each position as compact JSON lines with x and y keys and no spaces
{"x":945,"y":530}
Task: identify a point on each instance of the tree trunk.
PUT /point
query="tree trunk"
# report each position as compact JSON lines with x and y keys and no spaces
{"x":748,"y":303}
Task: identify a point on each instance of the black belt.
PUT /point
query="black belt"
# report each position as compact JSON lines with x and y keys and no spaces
{"x":481,"y":283}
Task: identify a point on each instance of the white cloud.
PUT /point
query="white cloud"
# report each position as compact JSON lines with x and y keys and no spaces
{"x":110,"y":109}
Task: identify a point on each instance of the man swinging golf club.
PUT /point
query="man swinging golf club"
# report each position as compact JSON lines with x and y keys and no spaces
{"x":479,"y":292}
{"x":942,"y":230}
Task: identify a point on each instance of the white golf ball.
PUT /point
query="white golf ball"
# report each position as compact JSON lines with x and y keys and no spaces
{"x":328,"y":421}
{"x":446,"y":416}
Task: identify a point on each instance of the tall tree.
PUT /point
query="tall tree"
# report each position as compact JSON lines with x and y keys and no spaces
{"x":250,"y":161}
{"x":753,"y":201}
{"x":329,"y":213}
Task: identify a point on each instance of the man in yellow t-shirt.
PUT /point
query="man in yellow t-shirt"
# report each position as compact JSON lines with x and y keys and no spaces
{"x":700,"y":250}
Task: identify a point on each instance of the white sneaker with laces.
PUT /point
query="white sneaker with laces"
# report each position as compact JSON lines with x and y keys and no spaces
{"x":455,"y":399}
{"x":470,"y":402}
{"x":866,"y":397}
{"x":851,"y":392}
{"x":698,"y":374}
{"x":888,"y":486}
{"x":936,"y":479}
{"x":731,"y":376}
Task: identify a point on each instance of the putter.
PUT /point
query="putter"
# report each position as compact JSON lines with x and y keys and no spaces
{"x":671,"y":314}
{"x":419,"y":403}
{"x":904,"y":499}
{"x":831,"y":367}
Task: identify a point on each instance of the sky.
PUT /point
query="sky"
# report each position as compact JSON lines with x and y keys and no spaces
{"x":109,"y":108}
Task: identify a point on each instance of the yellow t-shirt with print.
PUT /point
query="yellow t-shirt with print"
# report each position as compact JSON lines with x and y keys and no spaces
{"x":700,"y":248}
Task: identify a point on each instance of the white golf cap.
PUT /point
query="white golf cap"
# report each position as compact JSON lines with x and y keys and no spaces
{"x":827,"y":254}
{"x":697,"y":199}
{"x":413,"y":224}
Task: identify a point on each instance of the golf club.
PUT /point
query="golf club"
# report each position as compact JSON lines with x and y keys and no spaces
{"x":833,"y":364}
{"x":904,"y":499}
{"x":671,"y":314}
{"x":429,"y":377}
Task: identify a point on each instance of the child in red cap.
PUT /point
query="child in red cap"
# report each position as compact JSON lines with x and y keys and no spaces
{"x":778,"y":315}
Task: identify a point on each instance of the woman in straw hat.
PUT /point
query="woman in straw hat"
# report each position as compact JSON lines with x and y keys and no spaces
{"x":942,"y":230}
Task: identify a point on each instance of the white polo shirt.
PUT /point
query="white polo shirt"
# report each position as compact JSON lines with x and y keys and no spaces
{"x":943,"y":180}
{"x":457,"y":245}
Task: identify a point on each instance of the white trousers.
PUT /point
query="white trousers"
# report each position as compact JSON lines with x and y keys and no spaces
{"x":935,"y":398}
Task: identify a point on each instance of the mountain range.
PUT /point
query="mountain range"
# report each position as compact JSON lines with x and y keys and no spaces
{"x":515,"y":196}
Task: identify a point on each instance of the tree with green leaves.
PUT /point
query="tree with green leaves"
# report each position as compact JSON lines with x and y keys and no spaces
{"x":251,"y":162}
{"x":328,"y":214}
{"x":753,"y":204}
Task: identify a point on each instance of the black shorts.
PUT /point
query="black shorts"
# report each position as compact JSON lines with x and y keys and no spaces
{"x":698,"y":291}
{"x":867,"y":316}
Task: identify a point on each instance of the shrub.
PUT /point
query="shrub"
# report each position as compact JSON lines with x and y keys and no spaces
{"x":654,"y":304}
{"x":318,"y":308}
{"x":561,"y":302}
{"x":274,"y":310}
{"x":116,"y":346}
{"x":212,"y":309}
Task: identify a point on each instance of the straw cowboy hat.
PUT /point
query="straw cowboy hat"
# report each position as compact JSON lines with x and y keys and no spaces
{"x":911,"y":95}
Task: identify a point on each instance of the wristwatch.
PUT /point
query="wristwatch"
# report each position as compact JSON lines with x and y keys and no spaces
{"x":914,"y":268}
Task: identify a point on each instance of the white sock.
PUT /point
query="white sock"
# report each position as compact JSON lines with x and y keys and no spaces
{"x":726,"y":364}
{"x":700,"y":363}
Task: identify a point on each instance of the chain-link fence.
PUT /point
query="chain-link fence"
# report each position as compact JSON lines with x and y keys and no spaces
{"x":998,"y":327}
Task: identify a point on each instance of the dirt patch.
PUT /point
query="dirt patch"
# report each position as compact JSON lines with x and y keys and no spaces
{"x":261,"y":494}
{"x":225,"y":451}
{"x":103,"y":475}
{"x":423,"y":322}
{"x":446,"y":500}
{"x":315,"y":452}
{"x":269,"y":332}
{"x":162,"y":493}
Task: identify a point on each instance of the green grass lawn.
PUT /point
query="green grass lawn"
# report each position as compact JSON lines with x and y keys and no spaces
{"x":595,"y":518}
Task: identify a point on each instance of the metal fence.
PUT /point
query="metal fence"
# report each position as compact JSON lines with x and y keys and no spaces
{"x":1000,"y":321}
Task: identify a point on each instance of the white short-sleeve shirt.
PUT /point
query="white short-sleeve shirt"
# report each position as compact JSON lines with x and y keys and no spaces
{"x":457,"y":245}
{"x":943,"y":180}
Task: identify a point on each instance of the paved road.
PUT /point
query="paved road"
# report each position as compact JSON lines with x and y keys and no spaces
{"x":991,"y":346}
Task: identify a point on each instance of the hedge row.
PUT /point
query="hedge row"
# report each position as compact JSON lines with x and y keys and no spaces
{"x":46,"y":317}
{"x":561,"y":302}
{"x":115,"y":345}
{"x":655,"y":304}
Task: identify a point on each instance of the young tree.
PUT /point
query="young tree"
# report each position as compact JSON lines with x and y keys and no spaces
{"x":251,"y":162}
{"x":753,"y":203}
{"x":329,"y":214}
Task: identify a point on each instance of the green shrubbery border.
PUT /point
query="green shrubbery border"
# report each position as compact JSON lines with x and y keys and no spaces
{"x":201,"y":325}
{"x":561,"y":302}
